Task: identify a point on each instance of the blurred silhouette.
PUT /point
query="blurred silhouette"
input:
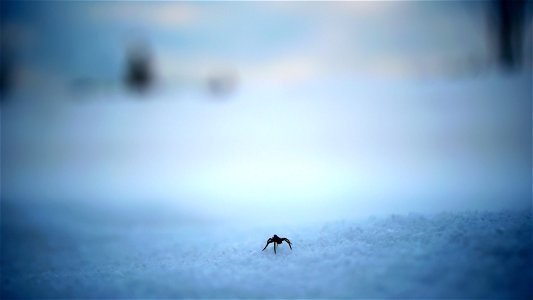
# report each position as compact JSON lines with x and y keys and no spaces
{"x":509,"y":20}
{"x":277,"y":240}
{"x":6,"y":72}
{"x":139,"y":74}
{"x":222,"y":84}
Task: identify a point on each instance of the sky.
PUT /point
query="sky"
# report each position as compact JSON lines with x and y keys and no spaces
{"x":339,"y":109}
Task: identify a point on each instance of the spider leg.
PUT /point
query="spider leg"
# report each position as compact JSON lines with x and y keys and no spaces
{"x":268,"y":242}
{"x":288,"y":242}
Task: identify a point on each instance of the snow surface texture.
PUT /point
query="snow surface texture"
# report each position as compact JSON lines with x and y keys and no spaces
{"x":454,"y":255}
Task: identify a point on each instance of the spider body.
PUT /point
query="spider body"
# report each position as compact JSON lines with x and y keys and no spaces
{"x":277,"y":240}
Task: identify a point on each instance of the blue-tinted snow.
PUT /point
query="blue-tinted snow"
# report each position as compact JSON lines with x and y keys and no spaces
{"x":74,"y":252}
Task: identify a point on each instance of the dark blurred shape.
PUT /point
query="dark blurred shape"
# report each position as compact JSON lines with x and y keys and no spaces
{"x":7,"y":64}
{"x":139,"y":73}
{"x":222,"y":84}
{"x":6,"y":74}
{"x":509,"y":20}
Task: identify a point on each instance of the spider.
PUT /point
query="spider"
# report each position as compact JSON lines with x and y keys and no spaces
{"x":277,"y":240}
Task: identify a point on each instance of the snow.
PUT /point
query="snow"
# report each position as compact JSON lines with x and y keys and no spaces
{"x":84,"y":252}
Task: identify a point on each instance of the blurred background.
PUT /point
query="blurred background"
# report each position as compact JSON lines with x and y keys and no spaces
{"x":267,"y":111}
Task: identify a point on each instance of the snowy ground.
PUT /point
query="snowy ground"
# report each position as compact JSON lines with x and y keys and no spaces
{"x":73,"y":252}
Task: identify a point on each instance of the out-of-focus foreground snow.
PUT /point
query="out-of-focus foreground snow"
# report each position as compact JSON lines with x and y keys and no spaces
{"x":69,"y":252}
